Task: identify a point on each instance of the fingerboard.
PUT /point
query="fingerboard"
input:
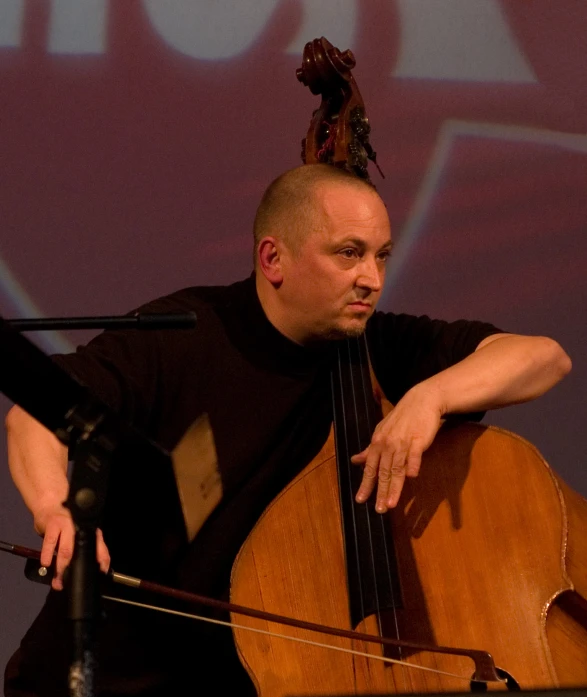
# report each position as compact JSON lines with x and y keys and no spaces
{"x":371,"y":563}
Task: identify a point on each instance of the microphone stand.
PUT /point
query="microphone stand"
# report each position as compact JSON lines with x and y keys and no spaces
{"x":140,"y":320}
{"x":94,"y":435}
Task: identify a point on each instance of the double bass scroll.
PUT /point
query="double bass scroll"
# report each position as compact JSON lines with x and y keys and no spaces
{"x":339,"y":130}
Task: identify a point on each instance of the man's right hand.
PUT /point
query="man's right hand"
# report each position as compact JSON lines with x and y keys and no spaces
{"x":58,"y":532}
{"x":38,"y":465}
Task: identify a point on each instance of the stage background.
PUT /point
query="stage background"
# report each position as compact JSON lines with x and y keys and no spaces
{"x":136,"y":138}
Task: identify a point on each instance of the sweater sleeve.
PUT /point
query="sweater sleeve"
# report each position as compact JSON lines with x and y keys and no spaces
{"x":125,"y":368}
{"x":406,"y":349}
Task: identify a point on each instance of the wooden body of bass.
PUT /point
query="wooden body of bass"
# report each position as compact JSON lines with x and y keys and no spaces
{"x":491,"y":552}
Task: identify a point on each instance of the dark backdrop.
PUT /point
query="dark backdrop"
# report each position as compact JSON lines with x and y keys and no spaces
{"x":136,"y":138}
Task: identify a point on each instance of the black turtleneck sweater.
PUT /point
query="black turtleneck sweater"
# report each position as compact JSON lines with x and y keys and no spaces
{"x":269,"y":404}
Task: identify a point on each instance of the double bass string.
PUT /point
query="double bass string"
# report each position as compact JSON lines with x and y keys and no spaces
{"x":347,"y":458}
{"x":359,"y":391}
{"x":367,"y":518}
{"x":367,"y":390}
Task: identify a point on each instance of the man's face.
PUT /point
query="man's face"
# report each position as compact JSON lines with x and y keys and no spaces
{"x":333,"y":281}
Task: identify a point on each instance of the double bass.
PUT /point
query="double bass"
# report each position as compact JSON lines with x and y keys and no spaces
{"x":485,"y":550}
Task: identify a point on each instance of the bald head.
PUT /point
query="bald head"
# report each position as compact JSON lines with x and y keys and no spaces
{"x":292,"y":207}
{"x":323,"y":242}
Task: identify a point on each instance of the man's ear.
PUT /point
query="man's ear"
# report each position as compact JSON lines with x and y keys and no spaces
{"x":269,"y":258}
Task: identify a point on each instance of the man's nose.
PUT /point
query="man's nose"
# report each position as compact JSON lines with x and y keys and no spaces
{"x":370,"y":275}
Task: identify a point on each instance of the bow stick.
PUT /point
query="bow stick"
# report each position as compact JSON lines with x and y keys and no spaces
{"x":485,"y":669}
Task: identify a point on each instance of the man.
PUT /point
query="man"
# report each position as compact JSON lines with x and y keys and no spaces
{"x":258,"y":366}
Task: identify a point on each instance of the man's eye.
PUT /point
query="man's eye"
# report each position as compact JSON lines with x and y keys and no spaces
{"x":348,"y":253}
{"x":384,"y":256}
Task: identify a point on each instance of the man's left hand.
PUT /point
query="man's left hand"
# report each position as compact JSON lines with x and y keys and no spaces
{"x":397,"y":445}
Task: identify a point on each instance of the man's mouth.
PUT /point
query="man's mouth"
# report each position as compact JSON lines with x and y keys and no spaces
{"x":359,"y":305}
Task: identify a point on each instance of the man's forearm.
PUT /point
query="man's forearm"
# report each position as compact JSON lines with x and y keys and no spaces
{"x":505,"y":369}
{"x":38,"y":465}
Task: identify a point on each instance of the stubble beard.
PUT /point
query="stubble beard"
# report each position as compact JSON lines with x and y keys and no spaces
{"x":340,"y":333}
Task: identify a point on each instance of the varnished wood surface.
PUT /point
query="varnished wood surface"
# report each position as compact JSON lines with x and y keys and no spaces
{"x":566,"y":623}
{"x":487,"y":540}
